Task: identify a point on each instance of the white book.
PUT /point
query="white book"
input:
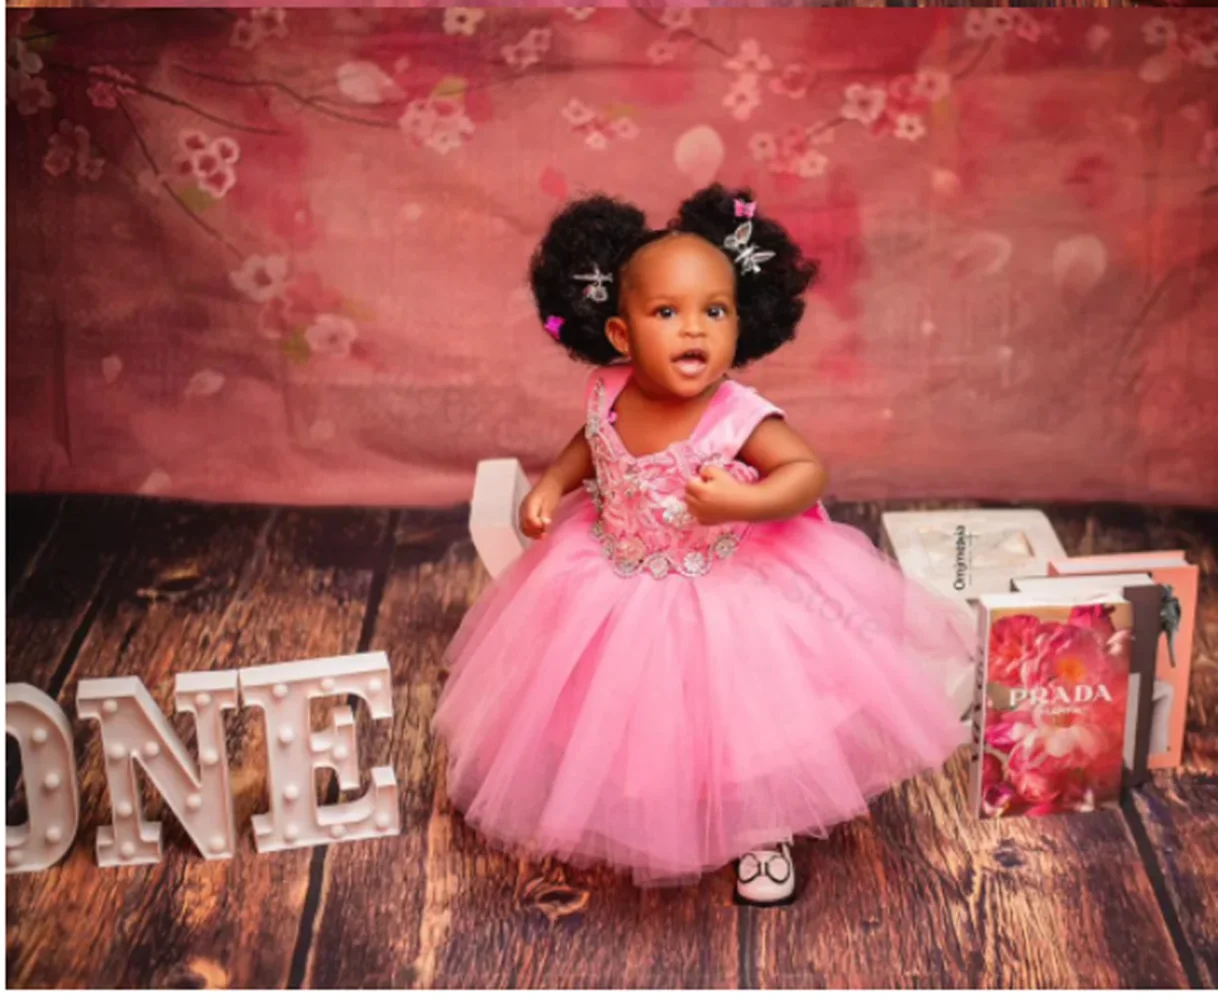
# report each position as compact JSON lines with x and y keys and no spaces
{"x":963,"y":554}
{"x":500,"y":487}
{"x":1079,"y":587}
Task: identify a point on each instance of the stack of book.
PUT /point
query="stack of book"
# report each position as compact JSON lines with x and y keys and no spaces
{"x":1083,"y":664}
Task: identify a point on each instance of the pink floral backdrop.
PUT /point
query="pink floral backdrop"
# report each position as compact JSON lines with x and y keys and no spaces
{"x":280,"y":255}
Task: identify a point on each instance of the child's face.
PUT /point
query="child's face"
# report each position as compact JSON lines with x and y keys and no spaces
{"x":678,"y":324}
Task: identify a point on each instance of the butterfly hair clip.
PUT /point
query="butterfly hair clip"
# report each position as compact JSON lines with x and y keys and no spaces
{"x":748,"y":258}
{"x":596,"y":290}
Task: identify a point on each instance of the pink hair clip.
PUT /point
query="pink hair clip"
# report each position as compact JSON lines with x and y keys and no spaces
{"x":554,"y":325}
{"x":745,"y":209}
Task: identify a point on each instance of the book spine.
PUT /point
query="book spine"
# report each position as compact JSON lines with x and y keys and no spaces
{"x":981,"y":672}
{"x":1146,"y":602}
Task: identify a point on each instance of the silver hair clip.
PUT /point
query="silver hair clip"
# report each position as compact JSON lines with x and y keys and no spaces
{"x":748,"y":257}
{"x":595,"y":291}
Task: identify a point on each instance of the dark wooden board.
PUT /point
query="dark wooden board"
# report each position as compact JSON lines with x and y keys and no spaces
{"x":204,"y":588}
{"x":1178,"y":811}
{"x":464,"y":914}
{"x":917,"y":894}
{"x":28,"y":523}
{"x":920,"y":894}
{"x":60,"y":586}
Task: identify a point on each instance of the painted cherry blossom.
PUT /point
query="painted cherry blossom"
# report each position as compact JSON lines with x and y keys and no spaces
{"x":596,"y":139}
{"x":206,"y":161}
{"x":450,"y":133}
{"x":262,"y":23}
{"x":21,"y":60}
{"x":661,"y":52}
{"x":812,"y":163}
{"x":519,"y":57}
{"x":271,"y":22}
{"x":932,"y":84}
{"x":26,"y":88}
{"x":107,"y":85}
{"x":577,"y":112}
{"x":227,"y":149}
{"x":625,"y":128}
{"x":580,"y":13}
{"x":244,"y":35}
{"x":677,"y":18}
{"x":261,"y":279}
{"x":206,"y":382}
{"x":440,"y":123}
{"x":331,"y":335}
{"x":31,"y":95}
{"x":218,"y":182}
{"x":1159,"y":31}
{"x":70,"y":144}
{"x":366,"y":83}
{"x":1203,"y":55}
{"x":1027,"y":27}
{"x":793,"y":81}
{"x":909,"y":127}
{"x":419,"y":118}
{"x":744,"y":97}
{"x":763,"y":146}
{"x":987,"y":23}
{"x":750,"y":59}
{"x":59,"y":155}
{"x":462,"y":20}
{"x":863,"y":104}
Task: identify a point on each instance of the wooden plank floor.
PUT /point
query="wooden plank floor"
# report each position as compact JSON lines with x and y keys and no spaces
{"x":918,"y":894}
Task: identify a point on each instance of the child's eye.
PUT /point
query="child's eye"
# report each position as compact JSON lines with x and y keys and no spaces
{"x":718,"y":312}
{"x":665,"y":312}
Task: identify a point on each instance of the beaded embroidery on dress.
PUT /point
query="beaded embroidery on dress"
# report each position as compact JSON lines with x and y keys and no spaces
{"x":642,"y":521}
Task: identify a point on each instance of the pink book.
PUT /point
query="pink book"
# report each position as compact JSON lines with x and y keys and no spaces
{"x":1049,"y":716}
{"x":1171,"y":569}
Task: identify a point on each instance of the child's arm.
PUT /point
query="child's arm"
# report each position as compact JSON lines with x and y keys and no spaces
{"x":792,"y":480}
{"x":573,"y":465}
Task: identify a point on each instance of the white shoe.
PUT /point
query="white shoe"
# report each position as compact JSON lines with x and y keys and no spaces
{"x":766,"y":877}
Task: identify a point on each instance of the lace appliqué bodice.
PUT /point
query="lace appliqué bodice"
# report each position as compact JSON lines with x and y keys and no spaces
{"x":642,"y":521}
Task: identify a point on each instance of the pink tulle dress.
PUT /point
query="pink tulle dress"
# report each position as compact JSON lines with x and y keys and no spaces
{"x":642,"y":690}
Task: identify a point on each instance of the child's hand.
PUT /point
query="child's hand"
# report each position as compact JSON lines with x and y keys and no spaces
{"x":537,"y":508}
{"x":715,"y":497}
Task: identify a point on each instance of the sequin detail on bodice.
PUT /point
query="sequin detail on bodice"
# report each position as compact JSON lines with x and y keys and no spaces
{"x":643,"y":523}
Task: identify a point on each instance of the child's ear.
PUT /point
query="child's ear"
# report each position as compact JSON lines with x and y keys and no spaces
{"x":615,"y":330}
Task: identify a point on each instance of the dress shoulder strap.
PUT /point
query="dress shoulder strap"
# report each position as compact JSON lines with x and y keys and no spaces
{"x":734,"y":414}
{"x":604,"y":385}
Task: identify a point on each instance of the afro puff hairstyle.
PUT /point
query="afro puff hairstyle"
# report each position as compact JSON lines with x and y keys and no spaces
{"x":602,"y":233}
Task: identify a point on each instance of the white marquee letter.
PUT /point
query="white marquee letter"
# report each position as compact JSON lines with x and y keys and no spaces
{"x":133,"y":729}
{"x":49,"y":765}
{"x":294,"y":751}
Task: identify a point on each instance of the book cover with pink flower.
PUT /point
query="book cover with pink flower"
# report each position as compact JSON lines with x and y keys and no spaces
{"x":1050,"y":709}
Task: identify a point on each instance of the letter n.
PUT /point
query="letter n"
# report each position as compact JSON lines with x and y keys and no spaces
{"x":133,"y":729}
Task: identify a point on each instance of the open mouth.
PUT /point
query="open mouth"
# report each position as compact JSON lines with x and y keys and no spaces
{"x":692,"y":362}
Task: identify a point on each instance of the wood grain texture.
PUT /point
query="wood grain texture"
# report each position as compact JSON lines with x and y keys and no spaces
{"x":917,"y":894}
{"x":28,"y":521}
{"x":1179,"y":810}
{"x":65,"y":563}
{"x":462,"y":914}
{"x":920,"y":894}
{"x":205,"y":588}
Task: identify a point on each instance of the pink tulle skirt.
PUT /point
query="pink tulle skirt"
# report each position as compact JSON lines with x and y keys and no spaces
{"x":667,"y":726}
